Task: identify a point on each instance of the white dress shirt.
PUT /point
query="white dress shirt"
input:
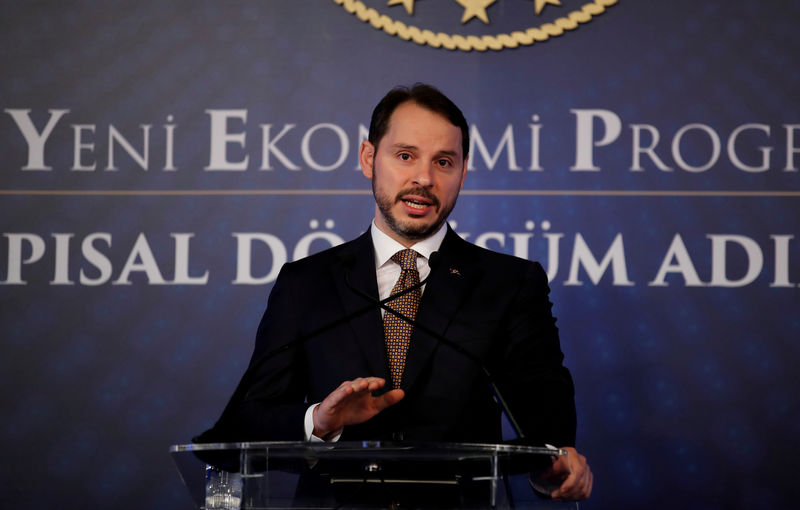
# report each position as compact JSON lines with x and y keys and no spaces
{"x":388,"y":271}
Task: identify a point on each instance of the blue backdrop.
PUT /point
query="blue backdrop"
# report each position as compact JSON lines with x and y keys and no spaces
{"x":161,"y":160}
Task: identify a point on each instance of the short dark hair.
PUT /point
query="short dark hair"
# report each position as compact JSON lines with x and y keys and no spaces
{"x":426,"y":96}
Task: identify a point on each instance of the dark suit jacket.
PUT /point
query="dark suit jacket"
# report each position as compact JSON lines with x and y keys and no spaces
{"x":495,"y":306}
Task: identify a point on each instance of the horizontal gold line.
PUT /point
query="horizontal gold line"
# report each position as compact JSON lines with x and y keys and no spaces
{"x":472,"y":192}
{"x":634,"y":193}
{"x":187,"y":192}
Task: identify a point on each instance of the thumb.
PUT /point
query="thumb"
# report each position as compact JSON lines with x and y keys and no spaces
{"x":389,"y":398}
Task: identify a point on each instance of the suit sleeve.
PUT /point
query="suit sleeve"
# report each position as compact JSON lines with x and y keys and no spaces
{"x":538,"y":387}
{"x":269,"y":402}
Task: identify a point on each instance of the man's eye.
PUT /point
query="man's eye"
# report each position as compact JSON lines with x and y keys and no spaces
{"x":444,"y":162}
{"x":405,"y":156}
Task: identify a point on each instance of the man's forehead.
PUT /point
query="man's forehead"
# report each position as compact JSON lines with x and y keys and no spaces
{"x":410,"y":107}
{"x":411,"y":120}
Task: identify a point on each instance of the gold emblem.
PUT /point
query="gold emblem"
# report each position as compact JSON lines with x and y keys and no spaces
{"x":476,"y":9}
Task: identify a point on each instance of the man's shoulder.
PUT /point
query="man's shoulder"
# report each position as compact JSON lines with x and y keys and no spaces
{"x":341,"y":254}
{"x":487,"y":258}
{"x":498,"y":270}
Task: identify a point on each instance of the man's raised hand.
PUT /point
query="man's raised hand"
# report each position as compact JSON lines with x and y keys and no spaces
{"x":350,"y":404}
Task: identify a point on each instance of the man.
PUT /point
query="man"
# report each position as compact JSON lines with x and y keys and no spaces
{"x":324,"y":340}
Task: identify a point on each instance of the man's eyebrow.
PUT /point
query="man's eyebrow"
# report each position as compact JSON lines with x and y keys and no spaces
{"x":447,"y":153}
{"x":404,"y":146}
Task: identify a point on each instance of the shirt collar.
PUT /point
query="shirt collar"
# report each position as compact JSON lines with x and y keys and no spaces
{"x":385,"y":246}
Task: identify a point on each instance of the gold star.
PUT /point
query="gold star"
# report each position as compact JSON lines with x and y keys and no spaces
{"x":475,"y":9}
{"x":541,"y":3}
{"x":408,"y":4}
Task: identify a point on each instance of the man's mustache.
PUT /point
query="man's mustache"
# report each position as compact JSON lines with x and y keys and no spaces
{"x":421,"y":192}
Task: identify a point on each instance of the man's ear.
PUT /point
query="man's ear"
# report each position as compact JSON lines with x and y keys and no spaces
{"x":366,"y":157}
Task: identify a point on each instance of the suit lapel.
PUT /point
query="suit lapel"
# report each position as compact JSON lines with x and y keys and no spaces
{"x":450,"y":283}
{"x":358,"y":260}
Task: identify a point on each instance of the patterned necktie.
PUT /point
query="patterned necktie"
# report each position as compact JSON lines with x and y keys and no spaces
{"x":396,"y":330}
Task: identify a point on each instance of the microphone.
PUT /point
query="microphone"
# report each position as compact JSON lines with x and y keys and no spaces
{"x":442,"y":339}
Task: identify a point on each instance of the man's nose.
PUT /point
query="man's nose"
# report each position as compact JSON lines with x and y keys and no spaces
{"x":423,"y":174}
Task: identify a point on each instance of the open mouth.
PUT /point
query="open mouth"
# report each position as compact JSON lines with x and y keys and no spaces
{"x":416,"y":204}
{"x":418,"y":200}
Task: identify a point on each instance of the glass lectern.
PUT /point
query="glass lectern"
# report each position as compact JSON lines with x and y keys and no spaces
{"x":268,"y":475}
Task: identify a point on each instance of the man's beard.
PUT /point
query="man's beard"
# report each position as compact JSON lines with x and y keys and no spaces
{"x":411,"y":230}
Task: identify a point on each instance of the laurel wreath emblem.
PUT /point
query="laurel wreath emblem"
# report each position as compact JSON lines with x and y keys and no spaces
{"x":471,"y":42}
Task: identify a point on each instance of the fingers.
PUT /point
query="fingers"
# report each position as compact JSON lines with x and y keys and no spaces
{"x":354,"y":387}
{"x":352,"y":403}
{"x":578,"y":484}
{"x":370,"y":384}
{"x":362,"y":384}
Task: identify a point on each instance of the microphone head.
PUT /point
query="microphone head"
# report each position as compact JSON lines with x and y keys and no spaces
{"x":433,"y":260}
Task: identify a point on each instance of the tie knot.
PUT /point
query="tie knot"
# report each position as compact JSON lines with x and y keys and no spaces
{"x":407,"y":259}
